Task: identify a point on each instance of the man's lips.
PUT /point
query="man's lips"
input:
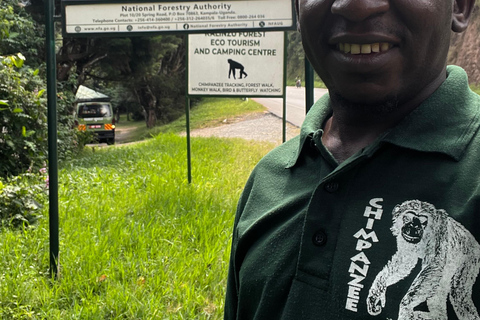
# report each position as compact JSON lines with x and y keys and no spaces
{"x":363,"y":44}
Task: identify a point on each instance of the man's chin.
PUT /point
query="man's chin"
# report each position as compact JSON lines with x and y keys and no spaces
{"x":371,"y":105}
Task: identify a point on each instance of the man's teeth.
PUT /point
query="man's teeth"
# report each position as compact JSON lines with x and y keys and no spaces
{"x":368,"y":48}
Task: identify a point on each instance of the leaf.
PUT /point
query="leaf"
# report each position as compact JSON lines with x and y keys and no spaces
{"x":36,"y":72}
{"x":24,"y":131}
{"x":17,"y":110}
{"x":17,"y":62}
{"x":30,"y":145}
{"x":29,"y":133}
{"x":40,"y":93}
{"x":4,"y":102}
{"x":32,"y":204}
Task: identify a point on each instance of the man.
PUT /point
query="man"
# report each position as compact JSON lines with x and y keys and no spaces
{"x":373,"y":212}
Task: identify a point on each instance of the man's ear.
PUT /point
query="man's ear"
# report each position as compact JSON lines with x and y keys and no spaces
{"x":298,"y":15}
{"x":461,"y":14}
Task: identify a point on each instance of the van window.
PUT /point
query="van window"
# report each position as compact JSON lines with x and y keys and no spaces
{"x":96,"y":110}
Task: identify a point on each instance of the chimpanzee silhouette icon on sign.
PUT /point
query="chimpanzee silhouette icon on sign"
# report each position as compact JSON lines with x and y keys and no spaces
{"x":234,"y":65}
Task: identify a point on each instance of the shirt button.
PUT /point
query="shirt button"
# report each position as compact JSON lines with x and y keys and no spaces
{"x":319,"y":238}
{"x":331,"y":187}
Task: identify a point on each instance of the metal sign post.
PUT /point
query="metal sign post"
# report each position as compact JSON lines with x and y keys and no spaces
{"x":309,"y":86}
{"x":52,"y":136}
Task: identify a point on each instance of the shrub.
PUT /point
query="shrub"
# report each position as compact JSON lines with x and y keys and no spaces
{"x":23,"y":121}
{"x":22,"y":197}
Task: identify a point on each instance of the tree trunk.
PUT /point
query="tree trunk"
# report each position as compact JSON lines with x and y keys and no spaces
{"x":152,"y":118}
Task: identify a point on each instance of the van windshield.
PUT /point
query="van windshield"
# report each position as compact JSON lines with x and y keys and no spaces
{"x":94,"y":110}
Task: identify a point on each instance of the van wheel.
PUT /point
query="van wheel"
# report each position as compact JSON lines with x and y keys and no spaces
{"x":111,"y":141}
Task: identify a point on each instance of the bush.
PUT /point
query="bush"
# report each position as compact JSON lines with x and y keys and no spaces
{"x":22,"y":197}
{"x":23,"y":121}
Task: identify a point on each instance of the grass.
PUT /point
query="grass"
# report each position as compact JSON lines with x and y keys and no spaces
{"x":209,"y":112}
{"x":317,"y":83}
{"x":475,"y":88}
{"x":136,"y":240}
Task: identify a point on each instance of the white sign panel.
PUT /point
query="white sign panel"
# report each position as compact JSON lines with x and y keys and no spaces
{"x":236,"y":64}
{"x":187,"y":16}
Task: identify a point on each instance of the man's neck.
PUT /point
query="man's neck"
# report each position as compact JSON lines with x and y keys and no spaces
{"x":353,"y":127}
{"x":343,"y":140}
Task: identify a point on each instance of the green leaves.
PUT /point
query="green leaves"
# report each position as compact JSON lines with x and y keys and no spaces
{"x":18,"y":60}
{"x":23,"y":119}
{"x":21,"y":197}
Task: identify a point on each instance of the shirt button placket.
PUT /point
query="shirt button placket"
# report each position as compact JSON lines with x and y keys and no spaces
{"x":331,"y":186}
{"x":319,"y":238}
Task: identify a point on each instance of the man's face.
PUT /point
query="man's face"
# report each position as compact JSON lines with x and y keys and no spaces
{"x":373,"y":51}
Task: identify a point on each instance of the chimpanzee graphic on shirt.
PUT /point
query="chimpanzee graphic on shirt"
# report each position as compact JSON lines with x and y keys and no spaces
{"x":450,"y":263}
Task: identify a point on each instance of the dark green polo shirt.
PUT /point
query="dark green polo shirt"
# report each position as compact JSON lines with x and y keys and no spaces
{"x":391,"y":233}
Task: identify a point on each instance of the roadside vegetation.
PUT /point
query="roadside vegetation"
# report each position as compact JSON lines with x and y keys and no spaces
{"x":475,"y":88}
{"x":137,"y":241}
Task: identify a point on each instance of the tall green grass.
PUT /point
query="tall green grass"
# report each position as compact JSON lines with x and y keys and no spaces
{"x":136,"y":240}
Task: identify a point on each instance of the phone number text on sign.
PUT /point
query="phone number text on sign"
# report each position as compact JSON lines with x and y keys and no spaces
{"x":177,"y":16}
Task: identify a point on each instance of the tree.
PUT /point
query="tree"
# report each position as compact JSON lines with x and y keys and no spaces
{"x":23,"y":123}
{"x":296,"y":56}
{"x":145,"y":73}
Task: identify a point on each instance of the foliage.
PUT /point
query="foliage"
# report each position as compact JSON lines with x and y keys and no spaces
{"x":137,"y":241}
{"x":23,"y":121}
{"x":70,"y":141}
{"x":475,"y":88}
{"x":20,"y":33}
{"x":22,"y":197}
{"x":143,"y":75}
{"x":296,"y":57}
{"x":296,"y":61}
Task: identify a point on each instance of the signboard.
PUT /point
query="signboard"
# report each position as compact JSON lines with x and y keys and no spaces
{"x":84,"y":17}
{"x":236,"y":64}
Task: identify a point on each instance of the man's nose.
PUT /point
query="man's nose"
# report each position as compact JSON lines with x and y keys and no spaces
{"x":359,"y":10}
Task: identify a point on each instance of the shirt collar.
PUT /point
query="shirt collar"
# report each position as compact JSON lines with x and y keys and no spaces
{"x":445,"y":122}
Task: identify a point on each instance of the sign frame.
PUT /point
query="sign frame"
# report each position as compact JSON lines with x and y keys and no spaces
{"x":65,"y":3}
{"x":49,"y":9}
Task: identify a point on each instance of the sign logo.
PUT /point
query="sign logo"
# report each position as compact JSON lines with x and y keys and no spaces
{"x":234,"y":65}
